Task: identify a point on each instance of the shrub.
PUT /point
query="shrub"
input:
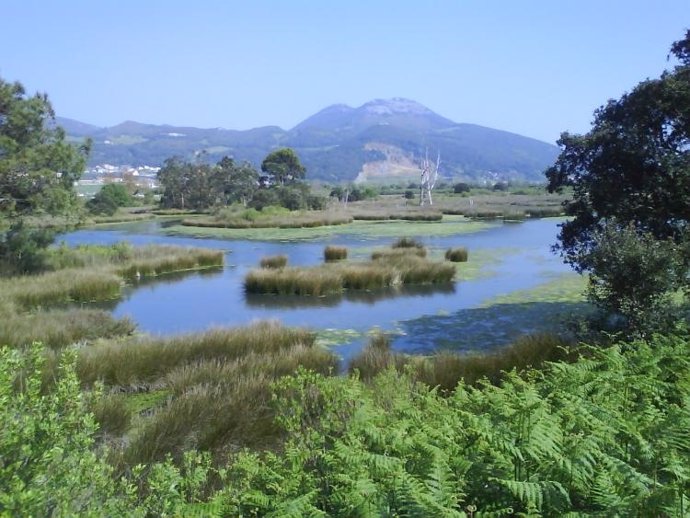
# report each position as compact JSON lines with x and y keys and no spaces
{"x":456,"y":255}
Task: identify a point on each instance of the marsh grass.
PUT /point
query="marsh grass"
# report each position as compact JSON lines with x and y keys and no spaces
{"x":376,"y":357}
{"x":223,"y":404}
{"x":334,"y":253}
{"x":135,"y":262}
{"x":111,"y":413}
{"x":445,"y":369}
{"x":125,"y":362}
{"x":510,"y":206}
{"x":394,"y":254}
{"x":398,"y":269}
{"x":69,"y":285}
{"x":316,"y":281}
{"x":457,"y":255}
{"x":58,"y":328}
{"x":274,"y":261}
{"x":407,"y":242}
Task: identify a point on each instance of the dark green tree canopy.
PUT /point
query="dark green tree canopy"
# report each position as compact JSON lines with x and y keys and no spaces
{"x":633,"y":165}
{"x":38,"y":167}
{"x":196,"y":185}
{"x":283,"y":165}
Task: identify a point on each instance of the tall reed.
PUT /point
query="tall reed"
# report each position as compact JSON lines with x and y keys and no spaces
{"x":145,"y":359}
{"x":334,"y":253}
{"x":274,"y":261}
{"x":58,"y":328}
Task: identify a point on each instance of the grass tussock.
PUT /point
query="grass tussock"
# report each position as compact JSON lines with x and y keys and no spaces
{"x":144,"y":359}
{"x":404,"y":263}
{"x":135,"y":262}
{"x":70,"y":285}
{"x":274,"y":261}
{"x":334,"y":253}
{"x":220,"y":404}
{"x":395,"y":254}
{"x":457,"y":255}
{"x":59,"y":328}
{"x":335,"y":278}
{"x":407,"y":242}
{"x":376,"y":357}
{"x":112,"y":413}
{"x":445,"y":369}
{"x":294,"y":281}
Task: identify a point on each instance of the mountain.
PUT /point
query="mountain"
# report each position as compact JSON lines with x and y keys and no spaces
{"x":381,"y":140}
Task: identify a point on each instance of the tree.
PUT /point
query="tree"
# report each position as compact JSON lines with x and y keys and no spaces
{"x":109,"y":199}
{"x":630,"y":171}
{"x":283,"y":166}
{"x":235,"y":183}
{"x":38,"y":167}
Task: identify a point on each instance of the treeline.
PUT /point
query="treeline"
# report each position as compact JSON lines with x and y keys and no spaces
{"x":199,"y":186}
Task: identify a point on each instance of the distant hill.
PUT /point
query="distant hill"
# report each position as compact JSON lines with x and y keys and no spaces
{"x":381,"y":140}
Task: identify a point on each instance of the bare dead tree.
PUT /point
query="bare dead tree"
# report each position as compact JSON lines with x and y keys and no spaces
{"x":428,"y":177}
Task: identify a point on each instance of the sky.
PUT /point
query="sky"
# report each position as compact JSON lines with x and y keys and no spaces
{"x":533,"y":67}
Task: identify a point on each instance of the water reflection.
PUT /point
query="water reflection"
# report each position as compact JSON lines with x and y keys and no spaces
{"x":254,"y":300}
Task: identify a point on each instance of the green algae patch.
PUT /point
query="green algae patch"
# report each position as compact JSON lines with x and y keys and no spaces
{"x":450,"y":225}
{"x":563,"y":288}
{"x":331,"y":337}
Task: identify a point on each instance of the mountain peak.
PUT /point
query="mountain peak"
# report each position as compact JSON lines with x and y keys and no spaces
{"x":394,"y":106}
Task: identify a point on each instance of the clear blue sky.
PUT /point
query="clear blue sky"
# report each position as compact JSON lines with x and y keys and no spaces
{"x":534,"y":67}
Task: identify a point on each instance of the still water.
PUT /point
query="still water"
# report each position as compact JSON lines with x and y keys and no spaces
{"x":516,"y":256}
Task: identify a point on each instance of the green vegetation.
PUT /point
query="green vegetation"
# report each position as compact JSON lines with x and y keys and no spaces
{"x":109,"y":199}
{"x":456,"y":255}
{"x":269,"y":217}
{"x":604,"y":434}
{"x":634,"y":240}
{"x":451,"y":225}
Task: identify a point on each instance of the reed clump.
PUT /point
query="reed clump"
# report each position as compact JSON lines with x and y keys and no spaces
{"x":70,"y":285}
{"x":125,"y":362}
{"x":397,"y":269}
{"x":334,"y":253}
{"x":59,"y":328}
{"x":294,"y":281}
{"x":376,"y":357}
{"x":457,"y":255}
{"x":393,"y":254}
{"x":223,"y":403}
{"x":274,"y":261}
{"x":407,"y":242}
{"x":446,"y":369}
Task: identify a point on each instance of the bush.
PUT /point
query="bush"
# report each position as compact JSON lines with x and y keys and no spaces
{"x":407,"y":242}
{"x":461,"y":187}
{"x":23,"y":249}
